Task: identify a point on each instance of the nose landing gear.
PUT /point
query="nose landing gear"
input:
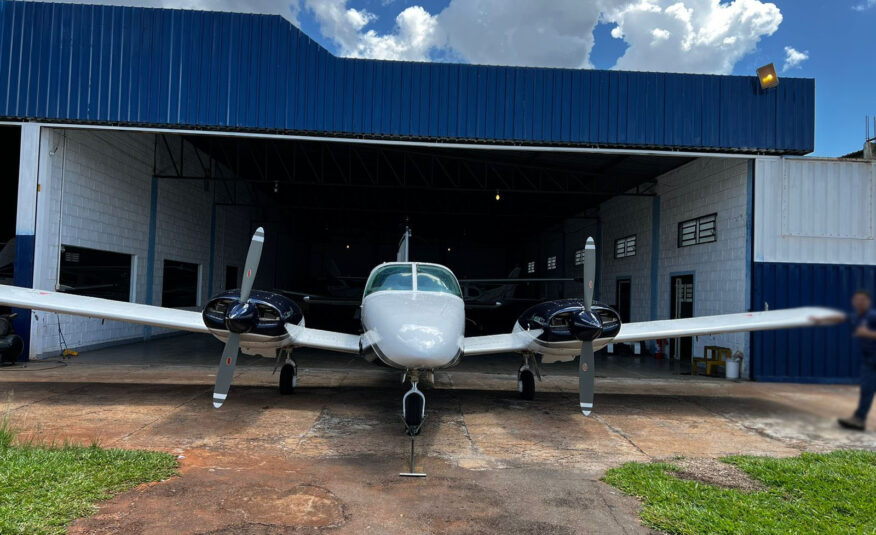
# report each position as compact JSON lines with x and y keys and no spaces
{"x":413,"y":414}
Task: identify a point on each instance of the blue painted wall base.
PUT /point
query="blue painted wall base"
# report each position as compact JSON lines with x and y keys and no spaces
{"x":817,"y":355}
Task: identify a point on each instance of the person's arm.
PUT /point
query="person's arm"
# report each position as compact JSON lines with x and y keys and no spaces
{"x":866,"y":329}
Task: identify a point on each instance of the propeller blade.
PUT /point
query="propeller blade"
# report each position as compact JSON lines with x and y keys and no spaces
{"x":589,"y":272}
{"x":585,"y":378}
{"x":226,"y":369}
{"x":252,"y":263}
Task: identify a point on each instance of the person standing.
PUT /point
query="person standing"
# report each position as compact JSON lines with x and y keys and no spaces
{"x":864,"y":324}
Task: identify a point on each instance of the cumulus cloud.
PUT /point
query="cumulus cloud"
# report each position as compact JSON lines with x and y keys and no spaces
{"x":416,"y":31}
{"x":704,"y":36}
{"x":794,"y":57}
{"x":864,"y":5}
{"x":707,"y":36}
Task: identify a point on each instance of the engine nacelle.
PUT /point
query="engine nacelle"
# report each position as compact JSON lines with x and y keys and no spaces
{"x":265,"y":313}
{"x":565,"y":320}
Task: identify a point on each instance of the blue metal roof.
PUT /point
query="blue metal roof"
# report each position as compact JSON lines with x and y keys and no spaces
{"x":198,"y":69}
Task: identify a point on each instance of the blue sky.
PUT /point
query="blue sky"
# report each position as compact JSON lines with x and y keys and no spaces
{"x":832,"y":41}
{"x":838,"y":39}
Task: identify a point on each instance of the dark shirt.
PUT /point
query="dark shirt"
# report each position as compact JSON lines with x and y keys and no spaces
{"x":868,"y":345}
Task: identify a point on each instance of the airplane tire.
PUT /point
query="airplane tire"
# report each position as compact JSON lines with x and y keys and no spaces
{"x":526,"y":385}
{"x":288,"y":375}
{"x":413,"y":410}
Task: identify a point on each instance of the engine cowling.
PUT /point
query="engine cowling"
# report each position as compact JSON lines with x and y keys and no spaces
{"x":566,"y":320}
{"x":264,"y":313}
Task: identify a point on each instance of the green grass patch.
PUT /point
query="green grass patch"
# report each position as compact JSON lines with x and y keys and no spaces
{"x":812,"y":493}
{"x":43,"y":488}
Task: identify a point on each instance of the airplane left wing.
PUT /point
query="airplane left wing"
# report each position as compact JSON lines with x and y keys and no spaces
{"x":729,"y":323}
{"x":95,"y":307}
{"x":319,"y":339}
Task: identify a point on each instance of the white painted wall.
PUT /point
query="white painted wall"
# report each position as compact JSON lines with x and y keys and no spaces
{"x":95,"y":193}
{"x":702,"y":187}
{"x":815,"y":211}
{"x":621,"y":217}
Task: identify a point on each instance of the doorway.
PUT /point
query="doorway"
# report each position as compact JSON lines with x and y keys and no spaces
{"x":622,"y":298}
{"x":231,"y":280}
{"x":681,"y":305}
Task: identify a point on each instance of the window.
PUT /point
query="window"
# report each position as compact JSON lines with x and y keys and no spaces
{"x":95,"y":273}
{"x":700,"y":230}
{"x":390,"y":277}
{"x":579,"y":257}
{"x":624,"y":247}
{"x":552,"y":263}
{"x":530,"y":267}
{"x":180,"y":286}
{"x":436,"y":279}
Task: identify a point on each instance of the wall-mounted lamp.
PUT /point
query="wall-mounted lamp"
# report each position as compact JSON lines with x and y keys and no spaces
{"x":767,"y":76}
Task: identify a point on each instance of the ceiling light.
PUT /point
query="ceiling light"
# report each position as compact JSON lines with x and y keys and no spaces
{"x":498,"y":197}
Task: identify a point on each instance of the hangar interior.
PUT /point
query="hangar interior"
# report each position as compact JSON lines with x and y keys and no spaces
{"x":144,"y":166}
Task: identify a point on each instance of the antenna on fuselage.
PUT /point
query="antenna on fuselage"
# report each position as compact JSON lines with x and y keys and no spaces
{"x":404,"y":247}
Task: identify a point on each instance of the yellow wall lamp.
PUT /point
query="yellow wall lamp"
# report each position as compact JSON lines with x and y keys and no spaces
{"x":767,"y":76}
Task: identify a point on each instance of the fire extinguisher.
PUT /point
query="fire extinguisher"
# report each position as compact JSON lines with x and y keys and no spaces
{"x":662,"y":343}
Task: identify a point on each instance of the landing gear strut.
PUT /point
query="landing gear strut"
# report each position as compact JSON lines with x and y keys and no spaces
{"x":526,"y":376}
{"x":288,"y":372}
{"x":413,"y":414}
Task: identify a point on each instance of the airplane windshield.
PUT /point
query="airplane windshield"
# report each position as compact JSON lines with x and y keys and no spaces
{"x":436,"y":279}
{"x":392,"y":277}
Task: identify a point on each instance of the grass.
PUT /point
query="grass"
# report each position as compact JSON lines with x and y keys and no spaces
{"x":43,"y":488}
{"x":812,"y":493}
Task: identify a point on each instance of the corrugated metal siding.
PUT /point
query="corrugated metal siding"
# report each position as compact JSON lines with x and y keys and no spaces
{"x":195,"y":69}
{"x":818,"y":355}
{"x":811,"y":210}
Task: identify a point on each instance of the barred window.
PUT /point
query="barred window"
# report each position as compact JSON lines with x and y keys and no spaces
{"x":579,"y":257}
{"x":624,"y":247}
{"x":552,"y":263}
{"x":530,"y":267}
{"x":699,"y":230}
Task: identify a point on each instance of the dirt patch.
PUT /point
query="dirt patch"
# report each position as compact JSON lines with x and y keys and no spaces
{"x":714,"y":472}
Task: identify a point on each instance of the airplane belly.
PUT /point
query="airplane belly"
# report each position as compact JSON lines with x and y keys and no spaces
{"x":414,"y":330}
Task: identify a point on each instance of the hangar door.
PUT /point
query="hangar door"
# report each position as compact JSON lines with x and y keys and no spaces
{"x":815,"y":244}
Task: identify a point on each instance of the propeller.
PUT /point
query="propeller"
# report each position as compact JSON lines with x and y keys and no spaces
{"x":587,"y":327}
{"x":242,"y":317}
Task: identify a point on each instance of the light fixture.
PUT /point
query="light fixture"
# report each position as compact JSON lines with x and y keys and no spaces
{"x":348,"y":246}
{"x":767,"y":76}
{"x":448,"y":249}
{"x":276,"y":186}
{"x":498,"y":197}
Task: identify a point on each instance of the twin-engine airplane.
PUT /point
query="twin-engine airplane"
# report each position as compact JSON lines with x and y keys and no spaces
{"x":413,"y":319}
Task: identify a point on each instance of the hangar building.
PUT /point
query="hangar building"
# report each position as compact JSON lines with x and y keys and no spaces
{"x":143,"y":146}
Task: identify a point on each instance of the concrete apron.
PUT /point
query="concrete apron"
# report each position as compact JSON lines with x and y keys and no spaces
{"x":329,"y":455}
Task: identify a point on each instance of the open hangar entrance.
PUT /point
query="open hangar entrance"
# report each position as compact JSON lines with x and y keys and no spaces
{"x":168,"y":216}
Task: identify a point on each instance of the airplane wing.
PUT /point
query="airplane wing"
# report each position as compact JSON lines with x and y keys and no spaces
{"x":319,"y":339}
{"x":729,"y":323}
{"x":498,"y":343}
{"x":94,"y":307}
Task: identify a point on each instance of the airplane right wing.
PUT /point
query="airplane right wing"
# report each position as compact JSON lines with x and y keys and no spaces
{"x":729,"y":323}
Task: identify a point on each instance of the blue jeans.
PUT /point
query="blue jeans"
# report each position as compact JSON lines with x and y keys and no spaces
{"x":868,"y":384}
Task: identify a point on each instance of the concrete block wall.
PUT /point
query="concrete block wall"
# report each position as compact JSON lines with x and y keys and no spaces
{"x":622,"y":217}
{"x":95,"y":192}
{"x":701,"y":187}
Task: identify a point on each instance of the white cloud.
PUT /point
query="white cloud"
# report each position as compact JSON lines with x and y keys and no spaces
{"x":416,"y":32}
{"x":864,"y":5}
{"x":794,"y":57}
{"x":704,"y":36}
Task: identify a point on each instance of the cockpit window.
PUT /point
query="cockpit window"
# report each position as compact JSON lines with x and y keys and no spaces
{"x":392,"y":277}
{"x":436,"y":279}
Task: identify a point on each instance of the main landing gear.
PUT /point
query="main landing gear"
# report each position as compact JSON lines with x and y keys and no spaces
{"x":413,"y":414}
{"x":288,"y":371}
{"x":526,"y":376}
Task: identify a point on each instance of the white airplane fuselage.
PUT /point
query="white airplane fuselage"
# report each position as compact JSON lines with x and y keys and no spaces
{"x":410,"y":329}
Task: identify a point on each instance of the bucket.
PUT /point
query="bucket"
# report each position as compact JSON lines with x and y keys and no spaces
{"x":731,"y":368}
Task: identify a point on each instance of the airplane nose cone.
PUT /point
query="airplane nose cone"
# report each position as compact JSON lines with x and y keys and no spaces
{"x":422,"y":332}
